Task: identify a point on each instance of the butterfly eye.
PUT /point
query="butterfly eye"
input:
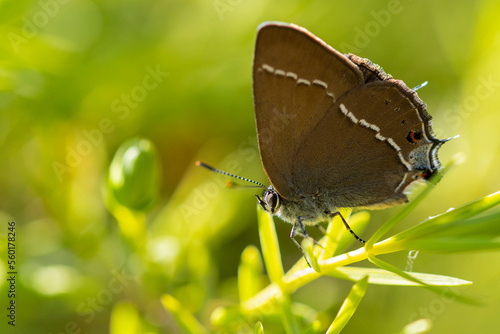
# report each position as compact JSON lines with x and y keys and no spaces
{"x":271,"y":199}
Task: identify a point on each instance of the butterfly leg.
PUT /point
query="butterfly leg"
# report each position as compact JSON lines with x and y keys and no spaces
{"x":299,"y":228}
{"x":333,"y":214}
{"x":294,"y":231}
{"x":302,"y":232}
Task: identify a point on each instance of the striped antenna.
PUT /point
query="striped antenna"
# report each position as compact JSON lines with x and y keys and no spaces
{"x":202,"y":164}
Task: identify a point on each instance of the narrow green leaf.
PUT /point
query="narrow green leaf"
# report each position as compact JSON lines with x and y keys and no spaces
{"x":389,"y":267}
{"x":454,"y":244}
{"x":270,"y":246}
{"x":466,"y":211}
{"x":384,"y":277}
{"x":308,"y":247}
{"x":183,"y":317}
{"x":259,"y":328}
{"x":250,"y":273}
{"x":437,"y":289}
{"x":349,"y":306}
{"x":485,"y":225}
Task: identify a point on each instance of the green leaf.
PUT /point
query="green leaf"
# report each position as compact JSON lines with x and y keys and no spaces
{"x":437,"y":289}
{"x":453,"y":231}
{"x":454,"y":244}
{"x":270,"y":246}
{"x":384,"y":277}
{"x":349,"y":306}
{"x":435,"y":224}
{"x":249,"y":273}
{"x":258,"y":328}
{"x":308,"y":248}
{"x":485,"y":225}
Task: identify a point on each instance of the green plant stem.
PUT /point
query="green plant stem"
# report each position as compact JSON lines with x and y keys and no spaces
{"x":296,"y":279}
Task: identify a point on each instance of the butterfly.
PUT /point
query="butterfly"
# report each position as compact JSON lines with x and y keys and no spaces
{"x":334,"y":130}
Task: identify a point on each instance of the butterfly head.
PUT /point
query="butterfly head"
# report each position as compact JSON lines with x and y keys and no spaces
{"x":270,"y":201}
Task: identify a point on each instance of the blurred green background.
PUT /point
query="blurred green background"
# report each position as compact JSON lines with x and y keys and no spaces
{"x":78,"y":78}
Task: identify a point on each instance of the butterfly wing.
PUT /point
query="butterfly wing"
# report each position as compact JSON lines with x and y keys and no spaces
{"x":336,"y":126}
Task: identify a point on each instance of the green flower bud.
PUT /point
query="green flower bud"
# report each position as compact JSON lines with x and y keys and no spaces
{"x":134,"y":174}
